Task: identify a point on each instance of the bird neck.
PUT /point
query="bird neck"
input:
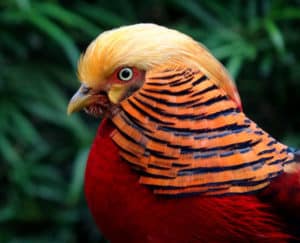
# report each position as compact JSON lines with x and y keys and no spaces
{"x":104,"y":160}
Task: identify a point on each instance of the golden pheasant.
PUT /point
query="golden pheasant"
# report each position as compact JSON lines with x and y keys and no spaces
{"x":176,"y":159}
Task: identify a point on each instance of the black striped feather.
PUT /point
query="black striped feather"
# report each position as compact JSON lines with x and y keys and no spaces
{"x":186,"y":136}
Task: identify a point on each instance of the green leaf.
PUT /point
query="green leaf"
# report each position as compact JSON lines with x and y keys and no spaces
{"x":292,"y":139}
{"x":23,"y":129}
{"x":288,"y":13}
{"x":275,"y":35}
{"x":54,"y":96}
{"x":76,"y":184}
{"x":198,"y":12}
{"x":49,"y":192}
{"x":12,"y":17}
{"x":201,"y":14}
{"x":67,"y":17}
{"x":7,"y":213}
{"x":60,"y":119}
{"x":56,"y":33}
{"x":9,"y":42}
{"x":46,"y":172}
{"x":234,"y":65}
{"x":101,"y":15}
{"x":9,"y":152}
{"x":23,"y":4}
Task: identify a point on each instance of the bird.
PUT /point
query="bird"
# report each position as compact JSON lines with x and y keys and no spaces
{"x":175,"y":158}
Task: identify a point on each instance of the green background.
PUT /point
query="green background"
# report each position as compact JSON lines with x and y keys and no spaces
{"x":43,"y":151}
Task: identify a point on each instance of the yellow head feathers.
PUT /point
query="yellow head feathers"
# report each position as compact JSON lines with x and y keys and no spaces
{"x":144,"y":46}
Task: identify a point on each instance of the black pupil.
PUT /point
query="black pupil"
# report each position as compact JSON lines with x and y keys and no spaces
{"x":125,"y":73}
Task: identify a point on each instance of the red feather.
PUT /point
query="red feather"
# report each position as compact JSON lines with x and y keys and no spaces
{"x":127,"y":211}
{"x":284,"y":193}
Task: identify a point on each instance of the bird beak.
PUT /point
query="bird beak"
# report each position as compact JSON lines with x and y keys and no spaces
{"x":82,"y":98}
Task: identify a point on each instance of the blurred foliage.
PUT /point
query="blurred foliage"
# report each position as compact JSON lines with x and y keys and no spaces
{"x":43,"y":152}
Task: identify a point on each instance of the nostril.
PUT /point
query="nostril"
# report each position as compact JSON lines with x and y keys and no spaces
{"x":85,"y":89}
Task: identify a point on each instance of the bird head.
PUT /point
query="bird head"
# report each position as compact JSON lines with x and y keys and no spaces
{"x":116,"y":63}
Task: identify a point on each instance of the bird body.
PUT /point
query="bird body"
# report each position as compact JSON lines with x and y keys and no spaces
{"x":127,"y":211}
{"x":176,"y":159}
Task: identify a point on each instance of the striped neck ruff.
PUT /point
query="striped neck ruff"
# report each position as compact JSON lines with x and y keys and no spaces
{"x":184,"y":135}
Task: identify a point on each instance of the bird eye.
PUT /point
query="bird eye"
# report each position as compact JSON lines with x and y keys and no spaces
{"x":125,"y":74}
